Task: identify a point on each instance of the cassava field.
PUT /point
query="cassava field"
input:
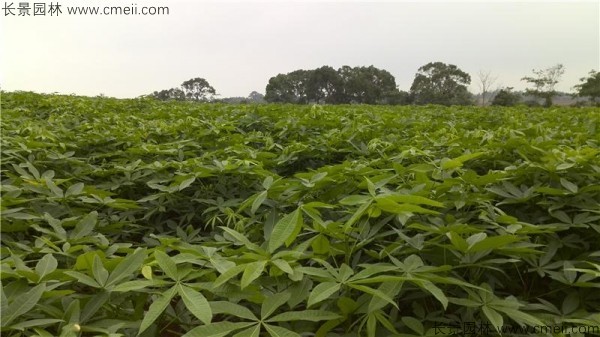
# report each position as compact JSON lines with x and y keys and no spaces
{"x":143,"y":218}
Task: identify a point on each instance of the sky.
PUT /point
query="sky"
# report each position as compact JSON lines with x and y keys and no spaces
{"x":238,"y":45}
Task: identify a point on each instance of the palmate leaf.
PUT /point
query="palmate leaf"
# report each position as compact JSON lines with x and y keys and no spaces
{"x":253,"y":331}
{"x":224,"y":307}
{"x":22,"y":304}
{"x":45,"y":266}
{"x":34,"y":323}
{"x":127,"y":267}
{"x":285,"y":230}
{"x":230,"y":273}
{"x":277,"y":331}
{"x":196,"y":303}
{"x":156,"y":308}
{"x":167,"y":265}
{"x":217,"y":329}
{"x":252,"y":271}
{"x":494,"y":317}
{"x":306,"y":315}
{"x":272,"y":302}
{"x":375,"y":292}
{"x":260,"y":198}
{"x":85,"y":226}
{"x":321,"y":292}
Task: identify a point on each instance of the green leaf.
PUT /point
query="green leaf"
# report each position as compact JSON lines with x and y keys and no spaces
{"x":93,"y":305}
{"x":283,"y":265}
{"x":127,"y":267}
{"x":132,"y":285}
{"x":414,"y":324}
{"x":569,"y":185}
{"x":389,"y":205}
{"x":147,"y":272}
{"x":306,"y":315}
{"x":100,"y":273}
{"x":57,"y":191}
{"x":321,"y":292}
{"x":45,"y":266}
{"x":285,"y":230}
{"x":34,"y":322}
{"x":3,"y":299}
{"x":320,"y":244}
{"x":492,"y":242}
{"x":457,"y":241}
{"x":166,"y":264}
{"x":521,"y":317}
{"x":433,"y":290}
{"x":272,"y":302}
{"x":186,"y":183}
{"x":459,"y":161}
{"x":227,"y":275}
{"x":224,"y":307}
{"x":217,"y":329}
{"x":260,"y":198}
{"x":355,"y":200}
{"x":494,"y":317}
{"x":196,"y":303}
{"x":252,"y":271}
{"x":74,"y":189}
{"x":357,"y":215}
{"x":277,"y":331}
{"x":241,"y":238}
{"x":156,"y":308}
{"x":414,"y":199}
{"x":375,"y":292}
{"x":23,"y":304}
{"x":391,"y":289}
{"x":85,"y":226}
{"x":82,"y":278}
{"x":253,"y":331}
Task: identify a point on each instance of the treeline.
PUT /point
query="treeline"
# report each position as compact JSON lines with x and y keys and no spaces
{"x":366,"y":85}
{"x":434,"y":83}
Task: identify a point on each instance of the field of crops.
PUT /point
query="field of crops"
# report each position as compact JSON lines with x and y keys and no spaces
{"x":144,"y":218}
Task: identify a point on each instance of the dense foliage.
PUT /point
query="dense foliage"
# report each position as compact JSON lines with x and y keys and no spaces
{"x":590,"y":87}
{"x":366,"y":85}
{"x":506,"y":97}
{"x":138,"y":217}
{"x":440,"y":83}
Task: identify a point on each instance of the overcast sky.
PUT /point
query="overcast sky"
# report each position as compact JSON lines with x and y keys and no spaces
{"x":238,"y":46}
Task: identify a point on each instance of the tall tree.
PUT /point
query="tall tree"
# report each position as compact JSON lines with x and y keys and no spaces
{"x":324,"y":85}
{"x":256,"y":97}
{"x":197,"y":89}
{"x":440,"y":83}
{"x":289,"y":88}
{"x":169,"y":94}
{"x":543,"y":83}
{"x":486,"y":80}
{"x":590,"y":87}
{"x":506,"y":97}
{"x":367,"y":85}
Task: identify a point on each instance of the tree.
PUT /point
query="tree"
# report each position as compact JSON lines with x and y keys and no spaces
{"x":256,"y":97}
{"x":197,"y":89}
{"x":367,"y":85}
{"x":440,"y":83}
{"x":590,"y":87}
{"x":505,"y":97}
{"x":486,"y":80}
{"x":288,"y":88}
{"x":169,"y":94}
{"x":543,"y":83}
{"x":324,"y":85}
